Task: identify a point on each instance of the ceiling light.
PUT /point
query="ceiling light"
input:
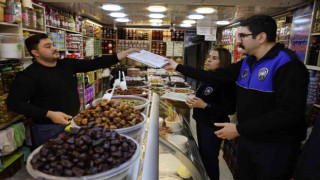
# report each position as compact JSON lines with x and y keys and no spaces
{"x":156,"y":20}
{"x":111,"y":7}
{"x":222,"y":22}
{"x":189,"y":22}
{"x":156,"y":24}
{"x":156,"y":8}
{"x":87,"y":20}
{"x":185,"y":25}
{"x":156,"y":15}
{"x":122,"y":20}
{"x":196,"y":16}
{"x":205,"y":10}
{"x":118,"y":15}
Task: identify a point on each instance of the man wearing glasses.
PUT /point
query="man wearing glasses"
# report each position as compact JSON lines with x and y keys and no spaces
{"x":272,"y":88}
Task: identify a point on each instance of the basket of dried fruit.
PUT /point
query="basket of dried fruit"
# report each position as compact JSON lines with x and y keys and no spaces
{"x":112,"y":115}
{"x":91,"y":152}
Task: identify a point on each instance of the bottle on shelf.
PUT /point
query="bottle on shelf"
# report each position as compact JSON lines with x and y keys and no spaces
{"x":313,"y":52}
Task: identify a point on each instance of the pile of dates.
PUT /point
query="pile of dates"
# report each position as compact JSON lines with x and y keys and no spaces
{"x":135,"y":83}
{"x":129,"y":91}
{"x":110,"y":114}
{"x":177,"y":84}
{"x":83,"y":151}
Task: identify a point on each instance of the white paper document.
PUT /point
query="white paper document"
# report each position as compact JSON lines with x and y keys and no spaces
{"x":149,"y":59}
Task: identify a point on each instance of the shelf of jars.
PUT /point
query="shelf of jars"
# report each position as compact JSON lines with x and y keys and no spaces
{"x":67,"y":30}
{"x":8,"y":24}
{"x":33,"y":30}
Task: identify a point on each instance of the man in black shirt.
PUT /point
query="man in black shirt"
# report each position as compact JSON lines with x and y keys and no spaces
{"x":47,"y":89}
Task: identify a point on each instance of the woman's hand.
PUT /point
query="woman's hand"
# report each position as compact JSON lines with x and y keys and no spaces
{"x":196,"y":103}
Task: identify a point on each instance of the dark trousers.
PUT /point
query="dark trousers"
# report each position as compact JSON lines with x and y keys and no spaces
{"x":266,"y":161}
{"x":43,"y":132}
{"x":209,"y":147}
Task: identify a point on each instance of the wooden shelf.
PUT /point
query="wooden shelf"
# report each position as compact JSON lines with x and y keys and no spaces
{"x":132,"y":40}
{"x":37,"y":5}
{"x":8,"y":24}
{"x":33,"y":30}
{"x":315,"y":34}
{"x":316,"y":68}
{"x":5,"y":125}
{"x":109,"y":39}
{"x":52,"y":27}
{"x":73,"y":50}
{"x":158,"y":40}
{"x":316,"y":105}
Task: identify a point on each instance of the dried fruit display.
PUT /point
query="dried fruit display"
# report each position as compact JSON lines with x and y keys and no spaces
{"x":86,"y":151}
{"x":129,"y":91}
{"x":110,"y":114}
{"x":135,"y":83}
{"x":177,"y":84}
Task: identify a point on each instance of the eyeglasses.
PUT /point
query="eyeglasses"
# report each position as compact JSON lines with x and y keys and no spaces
{"x":241,"y":35}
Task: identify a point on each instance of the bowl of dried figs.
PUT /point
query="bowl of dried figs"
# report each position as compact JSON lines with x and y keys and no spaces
{"x":90,"y":152}
{"x":112,"y":115}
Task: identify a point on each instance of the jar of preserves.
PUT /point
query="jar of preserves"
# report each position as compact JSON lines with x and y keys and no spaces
{"x":40,"y":19}
{"x":8,"y":77}
{"x":4,"y":114}
{"x":25,"y":18}
{"x":32,"y":19}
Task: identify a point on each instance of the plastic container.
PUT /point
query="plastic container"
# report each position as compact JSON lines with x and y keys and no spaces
{"x":121,"y":97}
{"x":8,"y":77}
{"x":144,"y":94}
{"x":133,"y":131}
{"x":174,"y":126}
{"x":179,"y":141}
{"x":117,"y":173}
{"x":11,"y":46}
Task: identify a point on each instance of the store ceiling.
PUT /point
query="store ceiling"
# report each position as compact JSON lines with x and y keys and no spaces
{"x":177,"y":11}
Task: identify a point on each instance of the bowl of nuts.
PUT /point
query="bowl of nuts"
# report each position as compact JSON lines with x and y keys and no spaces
{"x":91,"y":152}
{"x":112,"y":115}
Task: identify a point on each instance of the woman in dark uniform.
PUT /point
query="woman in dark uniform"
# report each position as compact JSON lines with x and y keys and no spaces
{"x":213,"y":103}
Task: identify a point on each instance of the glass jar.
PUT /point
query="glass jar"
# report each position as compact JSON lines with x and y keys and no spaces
{"x":32,"y":19}
{"x":8,"y":77}
{"x":1,"y":86}
{"x":25,"y":18}
{"x":40,"y":19}
{"x":4,"y":114}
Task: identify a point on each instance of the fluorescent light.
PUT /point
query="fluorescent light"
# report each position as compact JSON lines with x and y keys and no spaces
{"x":111,"y":7}
{"x":196,"y":16}
{"x":118,"y":15}
{"x":205,"y":10}
{"x":156,"y":24}
{"x":185,"y":25}
{"x":157,"y":8}
{"x":222,"y":22}
{"x":122,"y":20}
{"x":189,"y":22}
{"x":155,"y":20}
{"x":87,"y":20}
{"x":155,"y":15}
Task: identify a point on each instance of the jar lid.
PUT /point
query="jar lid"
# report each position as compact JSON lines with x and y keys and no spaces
{"x":6,"y":69}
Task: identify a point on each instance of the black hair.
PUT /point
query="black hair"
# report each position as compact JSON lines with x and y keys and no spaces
{"x":32,"y":42}
{"x":261,"y":23}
